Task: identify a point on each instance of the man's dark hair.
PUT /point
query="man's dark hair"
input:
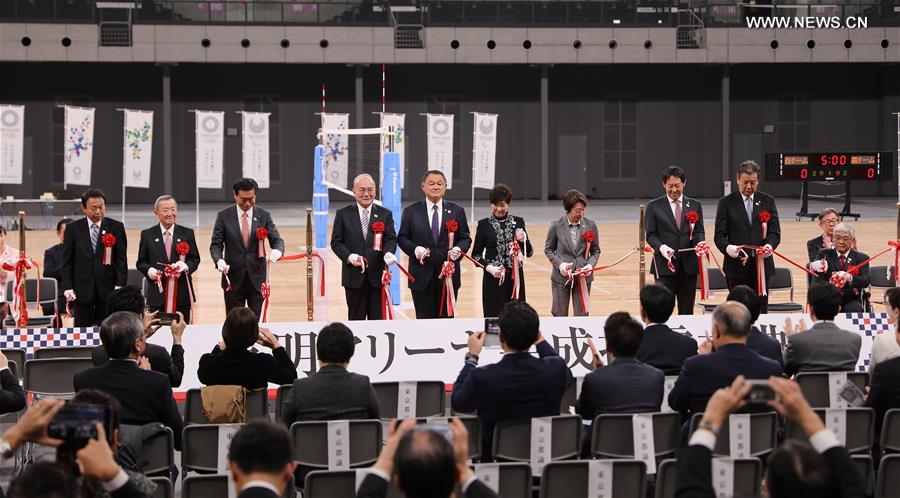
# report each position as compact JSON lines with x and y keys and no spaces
{"x":749,"y":298}
{"x":241,"y":329}
{"x":573,"y":197}
{"x":128,"y":298}
{"x":624,"y":334}
{"x":101,"y":398}
{"x":245,"y":184}
{"x":92,"y":193}
{"x":671,"y":171}
{"x":796,"y":470}
{"x":892,"y":297}
{"x":733,"y":319}
{"x":44,"y":479}
{"x":500,"y":193}
{"x":658,"y":302}
{"x":825,"y":300}
{"x":519,"y":325}
{"x":748,"y":167}
{"x":433,"y":172}
{"x":60,"y":223}
{"x":425,"y":464}
{"x":335,"y":343}
{"x":118,"y":333}
{"x":261,"y":446}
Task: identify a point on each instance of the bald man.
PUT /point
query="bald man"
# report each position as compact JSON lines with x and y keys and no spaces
{"x":363,"y":237}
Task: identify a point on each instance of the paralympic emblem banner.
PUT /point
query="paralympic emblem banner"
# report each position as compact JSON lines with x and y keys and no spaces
{"x":335,"y":164}
{"x":440,"y":144}
{"x":12,"y":135}
{"x":78,"y":145}
{"x":395,"y":124}
{"x":138,"y":145}
{"x":255,"y":147}
{"x":485,"y":150}
{"x":209,"y":127}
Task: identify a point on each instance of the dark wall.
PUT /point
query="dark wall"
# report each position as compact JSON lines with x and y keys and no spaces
{"x":676,"y":115}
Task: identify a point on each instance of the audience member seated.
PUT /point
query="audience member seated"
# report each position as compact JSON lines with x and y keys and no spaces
{"x":824,"y":347}
{"x":884,"y":392}
{"x":332,"y":393}
{"x":758,"y":341}
{"x":828,"y":219}
{"x":260,"y":460}
{"x":424,"y":464}
{"x":145,"y":395}
{"x":53,"y":261}
{"x":231,"y":363}
{"x":624,"y":386}
{"x":887,"y":344}
{"x":7,"y":254}
{"x":704,"y":374}
{"x":12,"y":397}
{"x":517,"y":387}
{"x":839,"y":263}
{"x":129,"y":298}
{"x":820,"y":469}
{"x":662,"y":347}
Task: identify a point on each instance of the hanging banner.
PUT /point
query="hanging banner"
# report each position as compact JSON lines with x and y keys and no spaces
{"x":395,"y":123}
{"x":440,"y":144}
{"x":78,"y":145}
{"x":209,"y":131}
{"x":12,"y":135}
{"x":255,"y":147}
{"x":138,"y":144}
{"x":335,"y":164}
{"x":484,"y":150}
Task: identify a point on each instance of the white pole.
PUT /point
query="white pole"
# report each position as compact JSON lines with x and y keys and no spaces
{"x":196,"y":177}
{"x":124,"y":153}
{"x":474,"y":138}
{"x":898,"y":156}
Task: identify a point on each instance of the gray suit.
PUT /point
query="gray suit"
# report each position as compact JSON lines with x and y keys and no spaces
{"x":823,"y":348}
{"x":559,"y":249}
{"x":332,"y":393}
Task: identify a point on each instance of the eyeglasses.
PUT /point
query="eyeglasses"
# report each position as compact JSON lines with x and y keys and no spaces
{"x":829,"y":221}
{"x":842,"y":238}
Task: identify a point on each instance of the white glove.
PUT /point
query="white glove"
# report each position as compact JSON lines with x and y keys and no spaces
{"x":733,"y":251}
{"x":586,"y":268}
{"x":565,"y":268}
{"x":355,"y":259}
{"x":666,"y":251}
{"x":520,"y":235}
{"x":181,"y":265}
{"x":389,"y":258}
{"x":152,"y":274}
{"x":70,"y":295}
{"x":221,"y":265}
{"x":421,"y":253}
{"x":846,"y":276}
{"x":820,"y":266}
{"x":455,"y":253}
{"x":768,"y":251}
{"x":495,"y":271}
{"x":275,"y":255}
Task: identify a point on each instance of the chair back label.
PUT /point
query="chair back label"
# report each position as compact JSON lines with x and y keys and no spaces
{"x":406,"y":400}
{"x":836,"y":422}
{"x":489,"y":474}
{"x":723,"y":477}
{"x":226,"y":434}
{"x":836,"y":381}
{"x":644,"y":447}
{"x":739,"y":435}
{"x":338,"y":444}
{"x":541,"y":443}
{"x":600,"y":479}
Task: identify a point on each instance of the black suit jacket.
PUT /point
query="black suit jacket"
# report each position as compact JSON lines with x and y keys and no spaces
{"x":733,"y":228}
{"x":813,"y":246}
{"x":53,"y":263}
{"x":854,"y":257}
{"x":172,"y":366}
{"x":666,"y":349}
{"x":12,"y":397}
{"x":624,"y":386}
{"x":884,"y":393}
{"x":228,"y":244}
{"x":83,"y":270}
{"x":245,"y":368}
{"x":415,"y":230}
{"x":765,"y":345}
{"x":485,"y":249}
{"x":152,"y":250}
{"x":146,"y":396}
{"x":347,"y":239}
{"x":332,"y":393}
{"x":257,"y":492}
{"x":374,"y":486}
{"x":661,"y":229}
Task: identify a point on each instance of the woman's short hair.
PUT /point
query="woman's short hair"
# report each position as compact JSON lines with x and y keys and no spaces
{"x":892,"y":297}
{"x":241,"y":329}
{"x":573,"y":197}
{"x":500,"y":193}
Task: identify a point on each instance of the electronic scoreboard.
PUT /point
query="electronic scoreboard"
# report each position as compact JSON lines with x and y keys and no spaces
{"x":829,"y":166}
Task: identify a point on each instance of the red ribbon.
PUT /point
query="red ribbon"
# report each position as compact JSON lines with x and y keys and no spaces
{"x":261,"y":235}
{"x":182,"y":248}
{"x":514,"y":252}
{"x":378,"y":230}
{"x":315,"y":255}
{"x":170,"y":297}
{"x":404,"y":271}
{"x":452,"y":226}
{"x":20,"y":303}
{"x":387,"y":306}
{"x":895,"y":248}
{"x":448,"y":297}
{"x":588,"y":238}
{"x":108,"y":240}
{"x":476,"y":263}
{"x":692,"y":217}
{"x":764,"y":217}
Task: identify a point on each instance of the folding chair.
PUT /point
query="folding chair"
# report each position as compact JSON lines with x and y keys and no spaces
{"x":257,"y":403}
{"x":782,"y":279}
{"x":866,"y":468}
{"x":717,"y":283}
{"x":282,"y":395}
{"x":18,"y":356}
{"x":63,"y":352}
{"x":54,"y":376}
{"x":514,"y":479}
{"x":570,"y":396}
{"x":47,"y":296}
{"x":763,"y":434}
{"x":888,"y":482}
{"x":612,"y":435}
{"x":199,"y":449}
{"x":163,"y":487}
{"x":815,"y":386}
{"x":158,"y":454}
{"x":881,"y":278}
{"x":747,"y":478}
{"x":629,"y":479}
{"x":860,"y":429}
{"x":310,"y":443}
{"x":889,"y":440}
{"x":430,"y":397}
{"x":512,"y":439}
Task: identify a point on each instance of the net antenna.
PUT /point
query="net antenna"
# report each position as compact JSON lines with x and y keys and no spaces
{"x":363,"y":147}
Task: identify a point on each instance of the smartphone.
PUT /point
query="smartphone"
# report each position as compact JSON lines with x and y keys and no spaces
{"x":442,"y":429}
{"x":167,"y":319}
{"x":760,"y":392}
{"x":78,"y":423}
{"x":492,"y":329}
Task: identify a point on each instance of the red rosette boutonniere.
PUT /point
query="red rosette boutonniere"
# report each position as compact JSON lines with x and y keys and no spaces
{"x":261,"y":235}
{"x":588,"y":237}
{"x":378,"y":230}
{"x":452,"y":226}
{"x":764,"y":217}
{"x":108,"y":241}
{"x":692,"y":218}
{"x":182,"y":248}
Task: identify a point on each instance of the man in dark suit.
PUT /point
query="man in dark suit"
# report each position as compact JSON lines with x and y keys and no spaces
{"x":260,"y":460}
{"x":824,"y":347}
{"x":828,"y":219}
{"x":88,"y":276}
{"x":842,"y":260}
{"x":519,"y":386}
{"x":53,"y":262}
{"x":332,"y":393}
{"x":159,"y":244}
{"x":738,"y":222}
{"x":146,"y":396}
{"x":763,"y":344}
{"x":702,"y":375}
{"x":423,"y":236}
{"x":358,"y":246}
{"x":884,"y":393}
{"x":820,"y":468}
{"x":662,"y":347}
{"x":669,"y":230}
{"x":12,"y":397}
{"x":235,"y":247}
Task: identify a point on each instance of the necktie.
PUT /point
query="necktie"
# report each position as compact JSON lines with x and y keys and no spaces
{"x":678,"y":213}
{"x":245,"y":230}
{"x":365,"y":223}
{"x":749,"y":205}
{"x":95,"y":234}
{"x":435,"y":229}
{"x":843,"y":263}
{"x":167,"y":238}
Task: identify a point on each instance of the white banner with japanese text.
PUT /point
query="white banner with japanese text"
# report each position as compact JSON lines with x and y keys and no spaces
{"x":12,"y":135}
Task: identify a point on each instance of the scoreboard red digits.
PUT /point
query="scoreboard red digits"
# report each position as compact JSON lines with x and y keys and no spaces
{"x":829,"y":166}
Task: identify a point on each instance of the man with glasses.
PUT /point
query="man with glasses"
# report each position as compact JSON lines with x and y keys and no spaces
{"x":828,"y":219}
{"x":839,"y":265}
